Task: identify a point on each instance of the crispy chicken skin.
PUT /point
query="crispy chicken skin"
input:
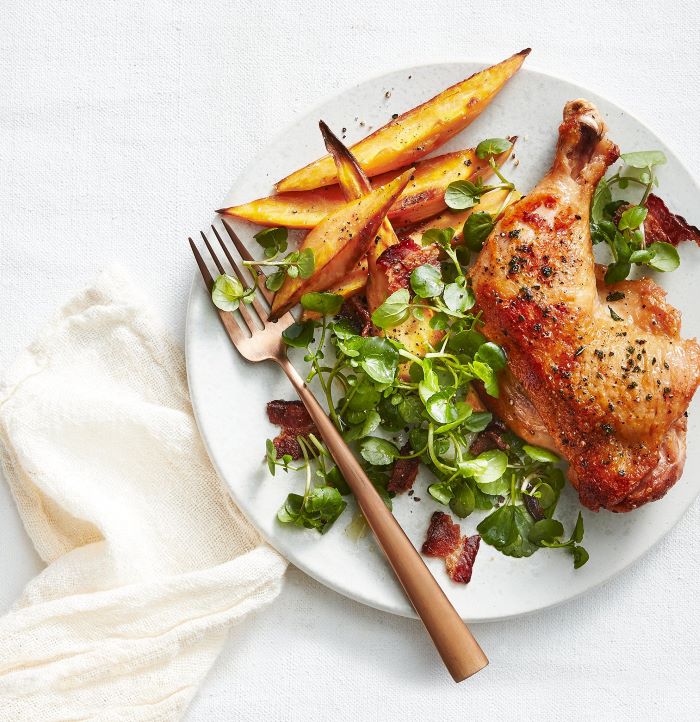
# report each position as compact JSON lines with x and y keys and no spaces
{"x":609,"y":390}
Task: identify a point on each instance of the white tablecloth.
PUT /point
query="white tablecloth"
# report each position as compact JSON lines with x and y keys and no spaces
{"x":123,"y":124}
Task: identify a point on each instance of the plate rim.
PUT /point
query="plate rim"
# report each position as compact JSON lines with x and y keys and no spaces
{"x":409,"y":613}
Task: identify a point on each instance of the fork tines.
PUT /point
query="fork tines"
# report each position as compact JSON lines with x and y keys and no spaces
{"x":261,"y":312}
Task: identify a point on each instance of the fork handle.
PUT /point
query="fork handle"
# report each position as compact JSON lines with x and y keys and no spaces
{"x":459,"y":650}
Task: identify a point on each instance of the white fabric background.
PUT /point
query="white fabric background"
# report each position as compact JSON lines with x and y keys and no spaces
{"x":123,"y":124}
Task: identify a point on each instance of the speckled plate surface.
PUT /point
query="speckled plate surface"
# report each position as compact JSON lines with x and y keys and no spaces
{"x":229,"y":394}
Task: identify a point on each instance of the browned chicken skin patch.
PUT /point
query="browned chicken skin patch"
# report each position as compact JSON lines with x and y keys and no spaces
{"x":609,"y":389}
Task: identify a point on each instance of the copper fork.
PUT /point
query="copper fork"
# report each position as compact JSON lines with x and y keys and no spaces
{"x":258,"y":339}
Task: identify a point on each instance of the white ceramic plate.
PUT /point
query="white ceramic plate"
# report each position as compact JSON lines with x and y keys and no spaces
{"x":229,"y":395}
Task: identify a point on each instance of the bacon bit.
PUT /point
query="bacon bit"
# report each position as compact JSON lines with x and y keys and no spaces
{"x":459,"y":552}
{"x":355,"y":311}
{"x":404,"y":473}
{"x":398,"y":261}
{"x":295,"y":421}
{"x":490,"y":438}
{"x":662,"y":225}
{"x":442,"y":537}
{"x":461,"y":562}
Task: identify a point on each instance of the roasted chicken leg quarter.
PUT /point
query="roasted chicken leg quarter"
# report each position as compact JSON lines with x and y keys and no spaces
{"x":608,"y":382}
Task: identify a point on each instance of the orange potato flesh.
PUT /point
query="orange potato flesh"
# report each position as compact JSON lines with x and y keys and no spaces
{"x":338,"y":243}
{"x":424,"y":196}
{"x":417,"y":132}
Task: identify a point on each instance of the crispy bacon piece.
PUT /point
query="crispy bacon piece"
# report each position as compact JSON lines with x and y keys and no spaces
{"x":490,"y":438}
{"x":461,"y":562}
{"x":442,"y":537}
{"x":404,"y":472}
{"x":355,"y":311}
{"x":662,"y":225}
{"x":459,"y":552}
{"x":398,"y":261}
{"x":295,"y":421}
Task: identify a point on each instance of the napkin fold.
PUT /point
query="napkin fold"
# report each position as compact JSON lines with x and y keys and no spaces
{"x":149,"y":561}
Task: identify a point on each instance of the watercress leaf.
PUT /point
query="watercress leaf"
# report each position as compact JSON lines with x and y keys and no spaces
{"x":521,"y":546}
{"x":429,"y":384}
{"x":491,"y":354}
{"x":492,"y":146}
{"x":290,"y":512}
{"x":462,"y":194}
{"x":611,"y":209}
{"x":601,"y":198}
{"x":272,"y":239}
{"x":537,"y":453}
{"x":665,"y":257}
{"x":644,"y":158}
{"x":440,"y":236}
{"x":580,"y":557}
{"x":441,"y":407}
{"x":458,"y":298}
{"x":227,"y":292}
{"x":643,"y":255}
{"x":498,"y":529}
{"x":483,"y":502}
{"x":394,"y":311}
{"x":274,"y":281}
{"x":426,"y":281}
{"x":335,"y":479}
{"x":478,"y":421}
{"x":439,"y":321}
{"x":487,"y":375}
{"x":477,"y":229}
{"x":545,"y":530}
{"x":270,"y":455}
{"x":378,"y":358}
{"x":299,"y":334}
{"x":306,"y":263}
{"x":441,"y":492}
{"x":377,"y":451}
{"x":632,"y":218}
{"x":292,"y":271}
{"x":467,"y":342}
{"x":617,"y":272}
{"x":463,"y":412}
{"x":499,"y":487}
{"x":343,"y":328}
{"x":369,"y":424}
{"x":546,"y":496}
{"x":495,"y":464}
{"x":411,"y":410}
{"x":327,"y":304}
{"x":577,"y":534}
{"x":463,"y":501}
{"x":365,"y":396}
{"x":322,"y":507}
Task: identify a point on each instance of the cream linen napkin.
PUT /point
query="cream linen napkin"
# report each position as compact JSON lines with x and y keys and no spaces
{"x":149,"y":562}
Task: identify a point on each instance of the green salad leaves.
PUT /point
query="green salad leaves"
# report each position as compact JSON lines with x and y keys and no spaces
{"x":620,"y":224}
{"x":394,"y":404}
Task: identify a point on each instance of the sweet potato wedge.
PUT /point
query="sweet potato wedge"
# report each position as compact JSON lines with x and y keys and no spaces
{"x":338,"y":243}
{"x":424,"y":195}
{"x":355,"y":184}
{"x":417,"y":132}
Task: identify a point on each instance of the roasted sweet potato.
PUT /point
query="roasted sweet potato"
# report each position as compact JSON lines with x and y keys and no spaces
{"x":424,"y":195}
{"x":417,"y":132}
{"x":384,"y":253}
{"x":339,"y":242}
